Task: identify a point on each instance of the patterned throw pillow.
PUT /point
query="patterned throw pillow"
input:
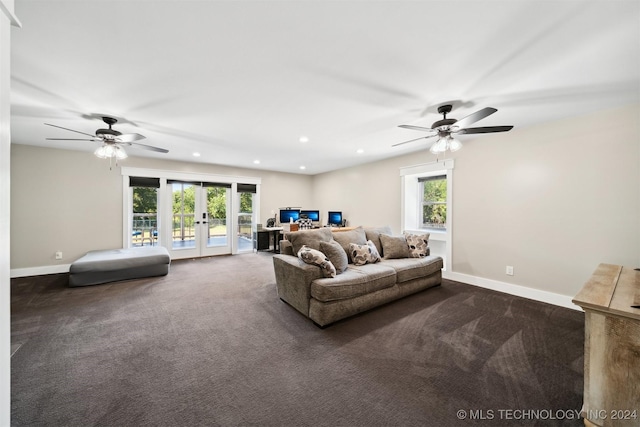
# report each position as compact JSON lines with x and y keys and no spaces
{"x":418,"y":244}
{"x":315,"y":257}
{"x":362,"y":254}
{"x":345,"y":238}
{"x":305,"y":223}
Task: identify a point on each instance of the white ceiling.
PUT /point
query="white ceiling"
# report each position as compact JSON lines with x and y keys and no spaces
{"x":239,"y":81}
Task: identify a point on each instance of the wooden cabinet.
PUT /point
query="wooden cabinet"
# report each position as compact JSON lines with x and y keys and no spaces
{"x":611,"y":302}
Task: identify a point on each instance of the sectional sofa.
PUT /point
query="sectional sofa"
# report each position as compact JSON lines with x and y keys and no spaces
{"x":345,"y":278}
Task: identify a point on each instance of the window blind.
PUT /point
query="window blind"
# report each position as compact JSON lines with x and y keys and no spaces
{"x":246,"y":188}
{"x":138,"y":181}
{"x":431,"y":178}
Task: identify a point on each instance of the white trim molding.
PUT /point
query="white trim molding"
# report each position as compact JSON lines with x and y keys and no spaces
{"x":40,"y":271}
{"x":7,"y":8}
{"x":511,"y":289}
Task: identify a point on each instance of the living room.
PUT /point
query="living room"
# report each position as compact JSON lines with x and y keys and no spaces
{"x":553,"y":199}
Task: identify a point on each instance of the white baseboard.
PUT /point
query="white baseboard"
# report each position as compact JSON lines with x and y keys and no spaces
{"x":40,"y":271}
{"x":517,"y":290}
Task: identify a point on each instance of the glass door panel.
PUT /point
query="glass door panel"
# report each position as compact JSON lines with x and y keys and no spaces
{"x":216,"y":239}
{"x":183,"y":222}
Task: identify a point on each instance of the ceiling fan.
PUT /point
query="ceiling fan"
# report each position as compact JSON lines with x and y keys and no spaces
{"x":443,"y":129}
{"x":112,"y":140}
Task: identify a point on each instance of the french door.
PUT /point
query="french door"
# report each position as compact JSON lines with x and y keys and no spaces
{"x":200,"y":224}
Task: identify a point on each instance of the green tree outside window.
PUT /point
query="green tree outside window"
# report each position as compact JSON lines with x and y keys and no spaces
{"x":434,"y":203}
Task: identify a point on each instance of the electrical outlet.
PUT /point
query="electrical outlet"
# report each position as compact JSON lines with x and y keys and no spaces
{"x":58,"y":255}
{"x":509,"y":270}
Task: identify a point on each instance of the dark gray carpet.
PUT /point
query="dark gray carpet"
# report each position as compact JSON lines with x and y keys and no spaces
{"x":211,"y":344}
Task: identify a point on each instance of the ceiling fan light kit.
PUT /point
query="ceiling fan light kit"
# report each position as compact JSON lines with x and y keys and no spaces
{"x":444,"y":128}
{"x":445,"y":144}
{"x":112,"y":140}
{"x":109,"y":151}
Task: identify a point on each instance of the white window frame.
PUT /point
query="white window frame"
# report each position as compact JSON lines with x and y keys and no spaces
{"x":411,"y":203}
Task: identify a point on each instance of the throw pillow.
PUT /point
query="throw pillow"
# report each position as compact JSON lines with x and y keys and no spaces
{"x":345,"y":238}
{"x":373,"y":234}
{"x":394,"y":246}
{"x":362,"y":254}
{"x":315,"y":257}
{"x":304,"y":223}
{"x":418,"y":244}
{"x":375,"y":255}
{"x":310,"y":238}
{"x":336,"y":255}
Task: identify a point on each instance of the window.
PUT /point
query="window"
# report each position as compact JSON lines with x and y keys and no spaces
{"x":434,"y":201}
{"x":246,"y":193}
{"x":144,"y":225}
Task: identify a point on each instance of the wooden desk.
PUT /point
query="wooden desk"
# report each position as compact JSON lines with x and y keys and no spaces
{"x":611,"y":346}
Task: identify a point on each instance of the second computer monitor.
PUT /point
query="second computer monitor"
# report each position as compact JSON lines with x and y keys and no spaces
{"x":313,"y":215}
{"x":335,"y":218}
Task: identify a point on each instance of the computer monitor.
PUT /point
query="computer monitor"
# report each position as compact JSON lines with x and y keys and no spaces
{"x":287,"y":215}
{"x":313,"y":215}
{"x":334,"y":218}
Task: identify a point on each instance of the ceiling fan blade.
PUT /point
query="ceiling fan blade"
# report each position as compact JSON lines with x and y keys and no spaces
{"x":417,"y":128}
{"x":487,"y":129}
{"x":71,"y":130}
{"x":130,"y":137}
{"x":411,"y":140}
{"x":72,"y":139}
{"x":148,"y":147}
{"x":472,"y":118}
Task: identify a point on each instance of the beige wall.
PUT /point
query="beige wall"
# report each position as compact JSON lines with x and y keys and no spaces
{"x":70,"y":201}
{"x":368,"y":194}
{"x":552,"y":201}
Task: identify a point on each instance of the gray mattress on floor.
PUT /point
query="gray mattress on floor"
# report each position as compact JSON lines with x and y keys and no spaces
{"x":119,"y":264}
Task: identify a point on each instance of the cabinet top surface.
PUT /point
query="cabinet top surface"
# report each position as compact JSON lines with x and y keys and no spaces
{"x":614,"y":289}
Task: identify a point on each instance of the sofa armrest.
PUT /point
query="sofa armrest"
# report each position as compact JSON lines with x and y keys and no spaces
{"x":293,"y":281}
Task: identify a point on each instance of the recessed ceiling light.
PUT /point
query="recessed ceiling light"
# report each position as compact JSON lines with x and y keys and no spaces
{"x":304,"y":139}
{"x":196,"y":154}
{"x":257,"y":162}
{"x":359,"y":151}
{"x":303,"y":167}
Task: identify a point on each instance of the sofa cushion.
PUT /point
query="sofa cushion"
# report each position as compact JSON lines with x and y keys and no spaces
{"x":355,"y":281}
{"x":373,"y":234}
{"x":413,"y":268}
{"x":286,"y":248}
{"x":394,"y":246}
{"x":336,"y":255}
{"x":418,"y":244}
{"x":345,"y":238}
{"x":362,"y":254}
{"x":314,"y":256}
{"x":310,"y":238}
